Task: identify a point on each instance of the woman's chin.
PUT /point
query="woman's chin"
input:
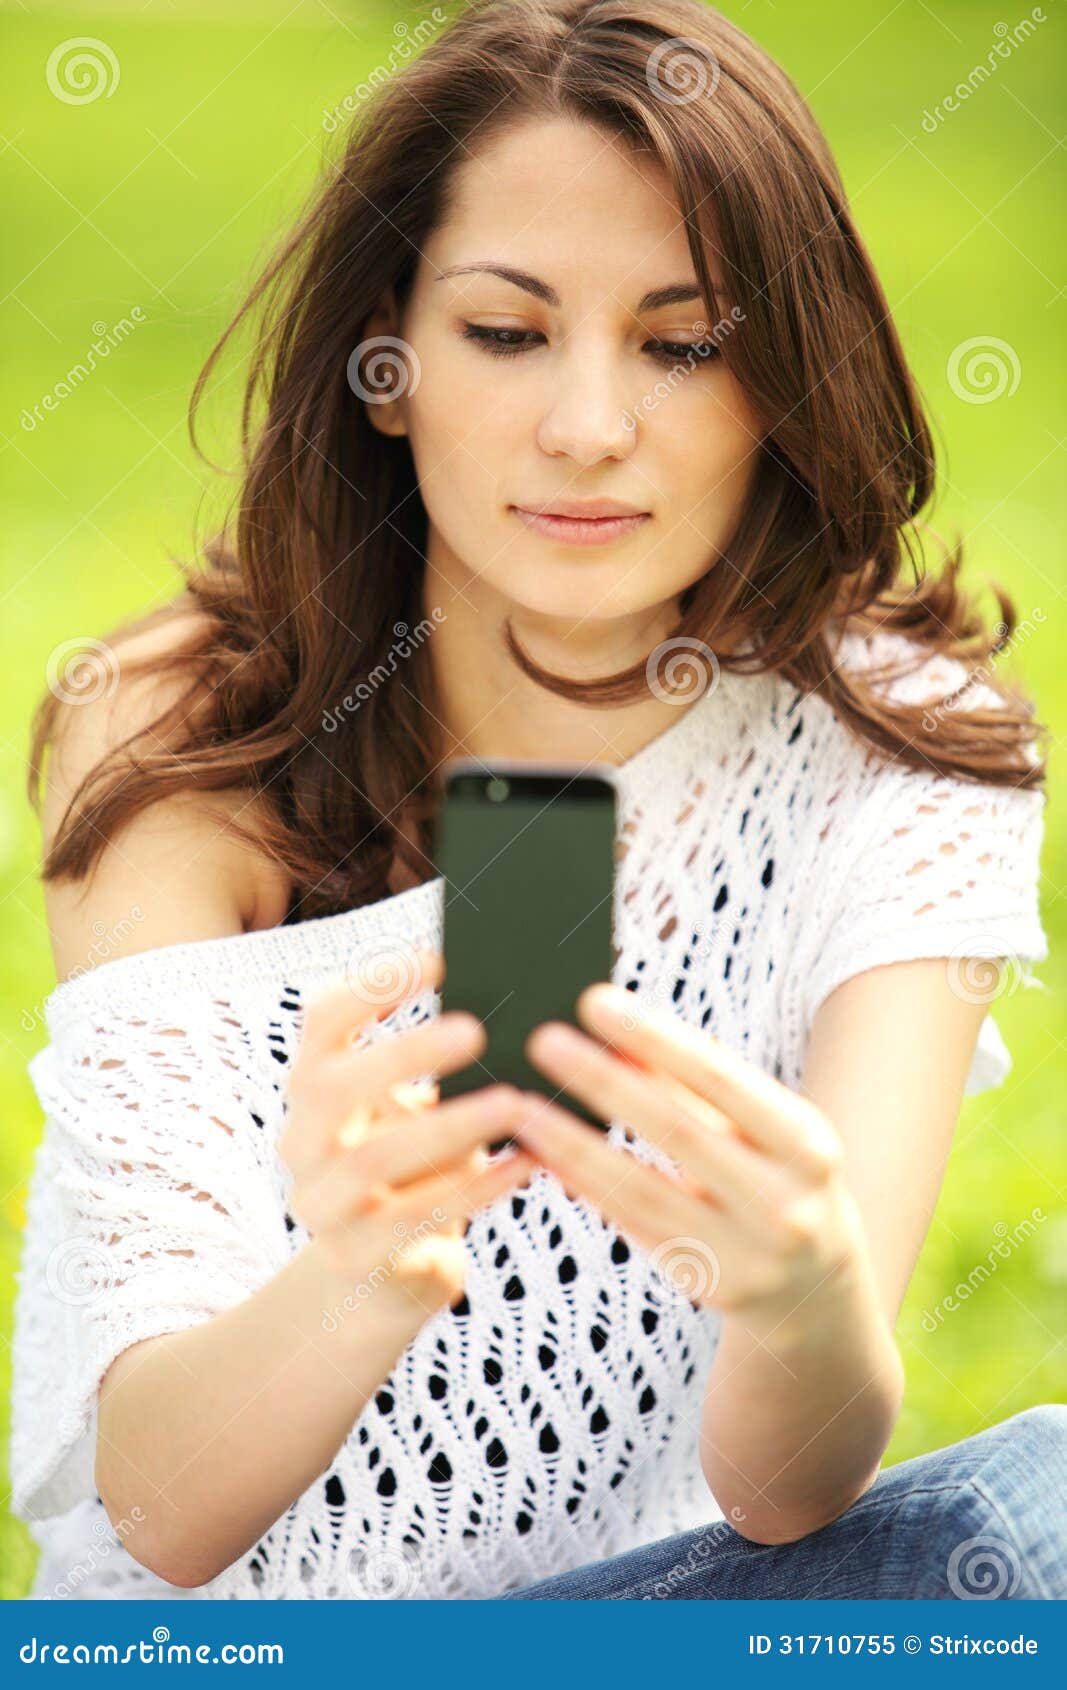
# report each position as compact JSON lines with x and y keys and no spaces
{"x":588,"y":638}
{"x":576,"y":591}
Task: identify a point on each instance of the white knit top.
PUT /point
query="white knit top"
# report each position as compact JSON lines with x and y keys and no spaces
{"x":551,"y":1417}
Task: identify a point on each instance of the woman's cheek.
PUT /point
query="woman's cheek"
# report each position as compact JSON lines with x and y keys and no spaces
{"x":461,"y":416}
{"x":725,"y":480}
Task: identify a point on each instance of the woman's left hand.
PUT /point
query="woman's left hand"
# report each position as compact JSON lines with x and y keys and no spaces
{"x":759,"y":1217}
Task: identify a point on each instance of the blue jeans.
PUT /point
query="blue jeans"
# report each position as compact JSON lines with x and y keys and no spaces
{"x":984,"y":1518}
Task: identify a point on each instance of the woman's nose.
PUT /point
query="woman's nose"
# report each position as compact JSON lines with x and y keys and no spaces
{"x":587,"y":418}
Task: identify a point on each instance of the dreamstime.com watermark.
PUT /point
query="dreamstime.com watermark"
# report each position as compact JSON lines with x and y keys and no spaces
{"x":81,"y":69}
{"x":984,"y":1569}
{"x":159,"y":1650}
{"x":81,"y":670}
{"x":105,"y":341}
{"x":408,"y":1240}
{"x":1003,"y":48}
{"x":681,"y":670}
{"x":80,"y":1272}
{"x":664,"y":995}
{"x":679,"y":71}
{"x":719,"y":1532}
{"x":107,"y":1537}
{"x":981,"y":970}
{"x":382,"y":369}
{"x":983,"y":369}
{"x":383,"y":967}
{"x":954,"y":700}
{"x":1005,"y":44}
{"x":105,"y":944}
{"x":409,"y":37}
{"x":687,"y":1266}
{"x":384,"y":1574}
{"x":1008,"y":1241}
{"x":407,"y":641}
{"x":678,"y":372}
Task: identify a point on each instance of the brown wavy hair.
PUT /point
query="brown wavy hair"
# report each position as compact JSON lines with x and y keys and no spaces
{"x":326,"y":537}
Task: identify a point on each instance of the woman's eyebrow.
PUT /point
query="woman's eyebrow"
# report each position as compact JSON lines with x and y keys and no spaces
{"x":677,"y":293}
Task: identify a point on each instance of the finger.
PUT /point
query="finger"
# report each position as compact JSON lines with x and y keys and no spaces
{"x":697,"y":1135}
{"x":326,"y":1094}
{"x":635,"y":1196}
{"x":405,"y":1098}
{"x":782,"y":1122}
{"x":428,"y":1231}
{"x":368,"y":994}
{"x":443,"y":1201}
{"x":416,"y":1146}
{"x":439,"y":1205}
{"x":348,"y":1194}
{"x":435,"y":1047}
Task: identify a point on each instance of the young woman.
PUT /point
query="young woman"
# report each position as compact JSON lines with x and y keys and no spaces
{"x":578,"y":426}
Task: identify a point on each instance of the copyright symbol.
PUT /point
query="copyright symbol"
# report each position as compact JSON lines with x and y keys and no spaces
{"x":912,"y":1645}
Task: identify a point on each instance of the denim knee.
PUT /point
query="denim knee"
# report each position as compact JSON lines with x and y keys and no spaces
{"x":981,"y":1518}
{"x":1026,"y":1454}
{"x":1017,"y":1521}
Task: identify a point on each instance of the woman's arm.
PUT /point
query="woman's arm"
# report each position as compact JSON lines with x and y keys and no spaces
{"x":799,"y":1214}
{"x":206,"y":1436}
{"x":798,"y":1410}
{"x":175,"y":871}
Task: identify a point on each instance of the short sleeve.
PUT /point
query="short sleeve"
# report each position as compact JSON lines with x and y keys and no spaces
{"x":937,"y":866}
{"x":153,"y":1204}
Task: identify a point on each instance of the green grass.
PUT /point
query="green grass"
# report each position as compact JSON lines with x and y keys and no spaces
{"x":163,"y":197}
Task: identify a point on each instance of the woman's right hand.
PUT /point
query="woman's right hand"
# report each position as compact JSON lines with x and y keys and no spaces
{"x":390,"y":1208}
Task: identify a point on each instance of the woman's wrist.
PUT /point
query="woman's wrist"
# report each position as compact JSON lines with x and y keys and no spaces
{"x":843,"y":1299}
{"x":812,"y":1397}
{"x":832,"y":1285}
{"x":839,"y":1337}
{"x":355,"y":1313}
{"x":836,"y":1339}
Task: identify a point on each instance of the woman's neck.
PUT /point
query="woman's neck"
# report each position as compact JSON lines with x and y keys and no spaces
{"x":488,"y":708}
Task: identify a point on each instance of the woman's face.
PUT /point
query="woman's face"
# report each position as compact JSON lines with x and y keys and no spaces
{"x":589,"y":405}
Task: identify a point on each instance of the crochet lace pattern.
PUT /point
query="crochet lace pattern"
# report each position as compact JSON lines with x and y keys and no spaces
{"x":550,"y":1417}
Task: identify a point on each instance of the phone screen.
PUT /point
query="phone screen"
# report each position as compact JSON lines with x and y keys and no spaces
{"x":527,"y":851}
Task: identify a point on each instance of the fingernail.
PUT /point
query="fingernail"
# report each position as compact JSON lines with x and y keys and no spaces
{"x":556,"y":1038}
{"x":611,"y":997}
{"x":461,"y":1026}
{"x":498,"y":1100}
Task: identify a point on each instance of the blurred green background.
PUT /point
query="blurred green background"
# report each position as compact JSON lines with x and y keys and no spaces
{"x":164,"y":195}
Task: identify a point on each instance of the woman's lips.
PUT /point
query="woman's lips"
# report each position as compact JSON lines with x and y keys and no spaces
{"x":581,"y":531}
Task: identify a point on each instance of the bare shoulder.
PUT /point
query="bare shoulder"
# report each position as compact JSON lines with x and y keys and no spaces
{"x":173,"y":872}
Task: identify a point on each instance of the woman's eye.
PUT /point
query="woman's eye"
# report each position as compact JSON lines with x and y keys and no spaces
{"x":505,"y":343}
{"x":497,"y":341}
{"x":682,"y":352}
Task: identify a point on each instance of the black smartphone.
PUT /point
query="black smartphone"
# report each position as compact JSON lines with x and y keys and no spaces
{"x":527,"y":851}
